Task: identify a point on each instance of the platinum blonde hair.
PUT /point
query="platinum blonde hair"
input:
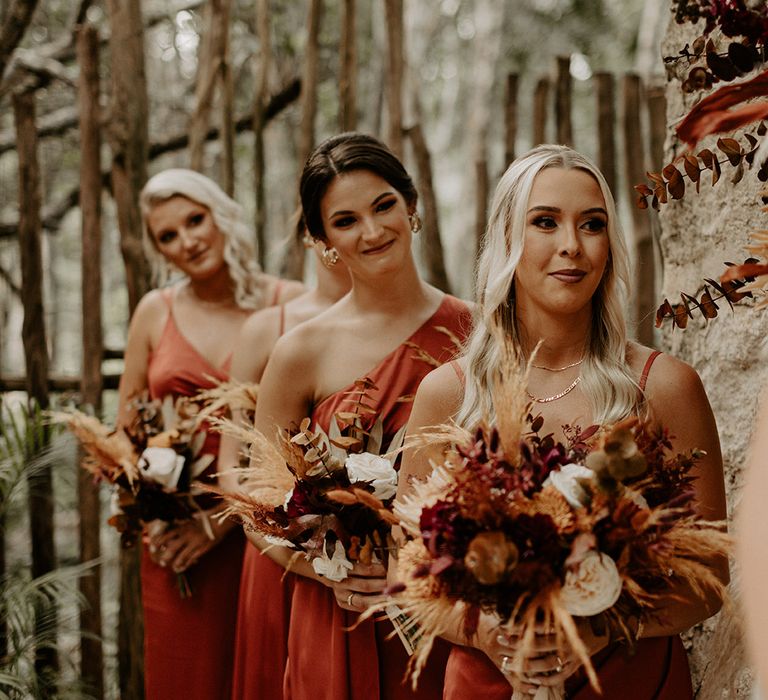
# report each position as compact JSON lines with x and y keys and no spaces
{"x":610,"y":389}
{"x":239,"y":253}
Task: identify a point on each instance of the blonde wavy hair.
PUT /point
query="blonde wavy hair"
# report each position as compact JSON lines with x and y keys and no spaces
{"x":610,"y":389}
{"x":239,"y":252}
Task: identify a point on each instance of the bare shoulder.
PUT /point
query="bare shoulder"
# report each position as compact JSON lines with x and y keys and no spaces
{"x":297,"y":350}
{"x":149,"y":316}
{"x":261,"y":327}
{"x":439,"y":395}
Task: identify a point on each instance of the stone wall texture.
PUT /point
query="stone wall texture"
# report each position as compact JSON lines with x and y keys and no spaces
{"x":730,"y":353}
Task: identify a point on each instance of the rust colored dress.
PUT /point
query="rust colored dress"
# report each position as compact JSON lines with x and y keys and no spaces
{"x":189,"y":642}
{"x":658,"y":669}
{"x":327,"y":660}
{"x":263,"y":615}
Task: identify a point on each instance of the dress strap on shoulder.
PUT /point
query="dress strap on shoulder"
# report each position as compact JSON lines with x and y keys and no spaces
{"x":281,"y":329}
{"x":647,"y":369}
{"x":167,"y":294}
{"x":459,"y":371}
{"x":276,"y":296}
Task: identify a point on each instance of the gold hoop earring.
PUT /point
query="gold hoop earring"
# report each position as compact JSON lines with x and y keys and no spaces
{"x":330,"y":257}
{"x":415,"y":221}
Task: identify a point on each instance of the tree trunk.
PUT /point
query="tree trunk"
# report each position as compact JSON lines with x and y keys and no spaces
{"x":606,"y":127}
{"x":91,"y":652}
{"x":510,"y":119}
{"x":227,"y":117}
{"x":395,"y":72}
{"x":35,"y":346}
{"x":348,"y":71}
{"x":644,"y":287}
{"x":482,"y":186}
{"x":540,"y":111}
{"x":259,"y":122}
{"x":432,"y":245}
{"x":293,"y":265}
{"x":563,"y":92}
{"x":130,"y":141}
{"x":15,"y":24}
{"x":657,"y":119}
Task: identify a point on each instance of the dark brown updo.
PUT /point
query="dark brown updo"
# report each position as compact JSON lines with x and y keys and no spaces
{"x":343,"y":154}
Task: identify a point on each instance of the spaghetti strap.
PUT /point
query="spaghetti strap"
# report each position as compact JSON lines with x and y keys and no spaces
{"x":459,"y":372}
{"x":276,"y":297}
{"x":167,"y":294}
{"x":281,"y":330}
{"x":646,"y":370}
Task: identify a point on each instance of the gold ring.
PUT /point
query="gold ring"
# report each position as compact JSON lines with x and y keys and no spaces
{"x":349,"y":600}
{"x":559,"y":667}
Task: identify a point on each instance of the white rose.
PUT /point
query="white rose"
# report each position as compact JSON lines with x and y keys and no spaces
{"x":569,"y":480}
{"x":162,"y":465}
{"x":374,"y":470}
{"x":114,"y":503}
{"x":592,"y":587}
{"x":333,"y":568}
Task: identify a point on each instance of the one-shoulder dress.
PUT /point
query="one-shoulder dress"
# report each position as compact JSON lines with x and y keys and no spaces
{"x":326,"y":659}
{"x":189,"y":642}
{"x":657,"y":670}
{"x":261,"y":641}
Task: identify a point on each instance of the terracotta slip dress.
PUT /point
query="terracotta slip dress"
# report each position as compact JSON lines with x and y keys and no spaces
{"x":658,"y":669}
{"x":263,"y":615}
{"x":327,"y":660}
{"x":189,"y":642}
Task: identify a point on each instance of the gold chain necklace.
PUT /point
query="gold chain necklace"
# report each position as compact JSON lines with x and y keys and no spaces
{"x":559,"y":369}
{"x":548,"y":399}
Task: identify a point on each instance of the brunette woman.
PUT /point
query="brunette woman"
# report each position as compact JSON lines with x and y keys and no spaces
{"x":180,"y":342}
{"x":360,"y":202}
{"x":554,"y":269}
{"x":261,"y":641}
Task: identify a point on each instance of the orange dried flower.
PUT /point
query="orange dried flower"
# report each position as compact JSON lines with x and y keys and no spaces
{"x":489,"y":556}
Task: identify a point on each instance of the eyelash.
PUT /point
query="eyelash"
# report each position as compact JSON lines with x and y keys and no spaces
{"x":595,"y":225}
{"x":383,"y":206}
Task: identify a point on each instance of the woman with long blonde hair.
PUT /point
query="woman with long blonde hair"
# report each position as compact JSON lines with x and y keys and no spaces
{"x":180,"y":342}
{"x":553,"y":274}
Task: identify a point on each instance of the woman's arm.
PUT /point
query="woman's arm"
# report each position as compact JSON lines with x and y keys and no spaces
{"x":752,"y":551}
{"x":677,"y":401}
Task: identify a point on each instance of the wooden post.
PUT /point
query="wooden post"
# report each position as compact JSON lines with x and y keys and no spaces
{"x":15,"y":23}
{"x":432,"y":245}
{"x":540,"y":111}
{"x":91,"y":652}
{"x":395,"y":71}
{"x":606,"y":127}
{"x":259,"y":122}
{"x":35,"y":345}
{"x":563,"y":90}
{"x":129,"y":137}
{"x":348,"y":70}
{"x":227,"y":108}
{"x":510,"y":119}
{"x":129,"y":140}
{"x":657,"y":120}
{"x":644,"y":283}
{"x":293,"y":265}
{"x":482,"y":185}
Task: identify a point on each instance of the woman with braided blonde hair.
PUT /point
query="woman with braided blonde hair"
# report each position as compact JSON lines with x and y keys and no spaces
{"x":553,"y":274}
{"x":180,"y":342}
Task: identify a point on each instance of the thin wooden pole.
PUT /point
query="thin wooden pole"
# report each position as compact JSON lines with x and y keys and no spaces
{"x":130,"y":142}
{"x":605,"y":95}
{"x":227,"y":106}
{"x":563,"y":90}
{"x":432,"y":245}
{"x":348,"y":74}
{"x":293,"y":265}
{"x":644,"y":287}
{"x":395,"y":72}
{"x":259,"y":122}
{"x":510,"y":119}
{"x":35,"y":346}
{"x":482,"y":186}
{"x":540,"y":111}
{"x":91,"y":652}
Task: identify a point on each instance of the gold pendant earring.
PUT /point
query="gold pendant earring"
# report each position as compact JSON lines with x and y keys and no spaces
{"x":415,"y":221}
{"x":330,"y":257}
